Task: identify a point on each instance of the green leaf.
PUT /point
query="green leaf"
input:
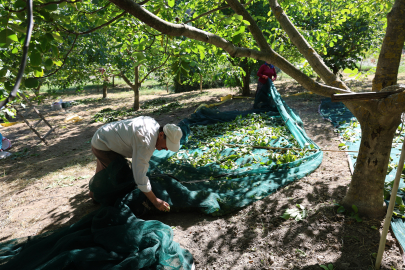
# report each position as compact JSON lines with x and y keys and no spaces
{"x":31,"y":83}
{"x":239,"y":31}
{"x":236,"y":39}
{"x":286,"y":216}
{"x":14,"y":51}
{"x":51,"y":7}
{"x":246,"y":22}
{"x":398,"y":200}
{"x":4,"y":21}
{"x":20,"y":4}
{"x":355,"y":209}
{"x":349,"y":71}
{"x":238,"y":17}
{"x":58,"y":63}
{"x":48,"y":63}
{"x":36,"y":58}
{"x":55,"y":51}
{"x":49,"y":37}
{"x":17,"y":28}
{"x":170,"y":3}
{"x":341,"y":209}
{"x":38,"y":73}
{"x":8,"y":86}
{"x":58,"y":37}
{"x":7,"y":36}
{"x":3,"y":72}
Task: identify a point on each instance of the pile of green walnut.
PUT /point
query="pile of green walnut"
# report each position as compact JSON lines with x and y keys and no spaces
{"x":234,"y":145}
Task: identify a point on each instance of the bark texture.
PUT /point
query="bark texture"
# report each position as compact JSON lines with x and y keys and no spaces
{"x":105,"y":90}
{"x":391,"y":49}
{"x":366,"y":189}
{"x":134,"y":86}
{"x":136,"y":89}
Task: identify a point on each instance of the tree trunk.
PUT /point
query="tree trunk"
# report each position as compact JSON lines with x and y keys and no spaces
{"x":390,"y":55}
{"x":167,"y":87}
{"x":366,"y":189}
{"x":200,"y":83}
{"x":246,"y":84}
{"x":113,"y":85}
{"x":136,"y":89}
{"x":105,"y":90}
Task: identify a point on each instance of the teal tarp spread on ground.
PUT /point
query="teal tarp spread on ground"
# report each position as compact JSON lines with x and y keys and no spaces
{"x":349,"y":130}
{"x":114,"y":237}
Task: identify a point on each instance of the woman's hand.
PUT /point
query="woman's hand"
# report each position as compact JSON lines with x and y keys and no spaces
{"x":273,"y":79}
{"x":265,"y":77}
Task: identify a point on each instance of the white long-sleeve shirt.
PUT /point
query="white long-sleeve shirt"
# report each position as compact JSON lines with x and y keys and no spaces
{"x":134,"y":138}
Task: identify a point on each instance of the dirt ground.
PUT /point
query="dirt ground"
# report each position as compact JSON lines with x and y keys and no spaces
{"x":45,"y":187}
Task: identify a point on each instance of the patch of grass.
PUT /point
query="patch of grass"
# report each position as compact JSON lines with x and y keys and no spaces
{"x":109,"y":115}
{"x":86,"y":101}
{"x":154,"y":102}
{"x":167,"y":107}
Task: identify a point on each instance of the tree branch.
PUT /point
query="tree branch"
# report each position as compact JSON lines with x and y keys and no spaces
{"x":94,"y":29}
{"x":30,"y":20}
{"x":395,"y":101}
{"x":304,"y":48}
{"x":266,"y":54}
{"x":390,"y":54}
{"x":64,"y":60}
{"x":154,"y":69}
{"x":125,"y":79}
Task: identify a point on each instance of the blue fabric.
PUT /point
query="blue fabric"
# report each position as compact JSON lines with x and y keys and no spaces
{"x":1,"y":141}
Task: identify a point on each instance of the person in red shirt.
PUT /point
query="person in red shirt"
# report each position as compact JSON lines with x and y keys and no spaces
{"x":265,"y":71}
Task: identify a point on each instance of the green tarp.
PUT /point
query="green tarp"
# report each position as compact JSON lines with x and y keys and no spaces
{"x":114,"y":237}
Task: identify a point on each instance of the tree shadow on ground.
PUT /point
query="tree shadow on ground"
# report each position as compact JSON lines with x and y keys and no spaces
{"x":262,"y":238}
{"x":80,"y":205}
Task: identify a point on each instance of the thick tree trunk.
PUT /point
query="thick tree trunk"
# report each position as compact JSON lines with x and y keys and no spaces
{"x":390,"y":56}
{"x":366,"y":189}
{"x":113,"y":85}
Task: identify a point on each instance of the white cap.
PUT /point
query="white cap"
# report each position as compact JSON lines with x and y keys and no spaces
{"x":173,"y":135}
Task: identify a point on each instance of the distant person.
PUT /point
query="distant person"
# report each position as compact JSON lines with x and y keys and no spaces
{"x":265,"y":71}
{"x":135,"y":138}
{"x":263,"y":96}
